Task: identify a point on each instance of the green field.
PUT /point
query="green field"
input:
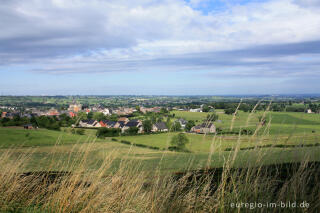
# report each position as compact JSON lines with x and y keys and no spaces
{"x":17,"y":137}
{"x":281,"y":122}
{"x":285,"y":129}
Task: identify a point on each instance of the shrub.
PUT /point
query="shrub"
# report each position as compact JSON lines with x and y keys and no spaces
{"x":230,"y":111}
{"x":131,"y":131}
{"x":80,"y":131}
{"x":105,"y":132}
{"x":125,"y":142}
{"x":246,"y":132}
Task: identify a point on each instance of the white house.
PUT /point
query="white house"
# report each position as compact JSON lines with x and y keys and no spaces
{"x":196,"y":110}
{"x":89,"y":123}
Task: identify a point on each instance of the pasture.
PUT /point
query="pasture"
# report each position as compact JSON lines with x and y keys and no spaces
{"x":280,"y":122}
{"x":276,"y":140}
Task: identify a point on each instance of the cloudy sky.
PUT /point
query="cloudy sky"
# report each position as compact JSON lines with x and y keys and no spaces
{"x":176,"y":47}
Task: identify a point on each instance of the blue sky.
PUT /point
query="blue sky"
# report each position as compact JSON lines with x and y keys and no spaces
{"x":173,"y":47}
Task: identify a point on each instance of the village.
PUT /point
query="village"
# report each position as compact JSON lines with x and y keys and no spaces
{"x":137,"y":120}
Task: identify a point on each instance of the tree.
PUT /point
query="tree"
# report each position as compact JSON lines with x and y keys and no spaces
{"x":99,"y":116}
{"x":176,"y":126}
{"x":113,"y":117}
{"x":179,"y":141}
{"x":147,"y":126}
{"x":230,"y":111}
{"x":163,"y":110}
{"x":189,"y":125}
{"x":212,"y":117}
{"x":133,"y":130}
{"x":105,"y":132}
{"x":82,"y":116}
{"x":138,"y":108}
{"x":90,"y":115}
{"x":205,"y":108}
{"x":55,"y":126}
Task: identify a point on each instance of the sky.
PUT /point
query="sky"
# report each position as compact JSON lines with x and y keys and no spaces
{"x":159,"y":47}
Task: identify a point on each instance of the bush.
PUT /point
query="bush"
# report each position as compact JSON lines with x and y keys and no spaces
{"x":105,"y":132}
{"x":131,"y":131}
{"x":80,"y":131}
{"x":54,"y":126}
{"x":114,"y":139}
{"x":230,"y":111}
{"x":125,"y":142}
{"x":246,"y":132}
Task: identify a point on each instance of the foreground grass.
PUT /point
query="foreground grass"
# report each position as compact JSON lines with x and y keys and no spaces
{"x":95,"y":177}
{"x":53,"y":157}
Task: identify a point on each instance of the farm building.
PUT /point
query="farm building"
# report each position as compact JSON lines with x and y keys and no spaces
{"x":196,"y":110}
{"x":160,"y":127}
{"x":204,"y":128}
{"x":28,"y":126}
{"x":182,"y":122}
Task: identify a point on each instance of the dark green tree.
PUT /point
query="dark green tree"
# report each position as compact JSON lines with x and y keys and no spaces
{"x":230,"y":111}
{"x":212,"y":117}
{"x":176,"y":126}
{"x":189,"y":125}
{"x":147,"y":126}
{"x":179,"y":141}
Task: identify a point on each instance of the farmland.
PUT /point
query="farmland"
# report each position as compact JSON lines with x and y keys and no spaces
{"x":286,"y":129}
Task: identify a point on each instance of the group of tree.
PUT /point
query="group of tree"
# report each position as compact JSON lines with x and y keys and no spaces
{"x":48,"y":122}
{"x":108,"y":132}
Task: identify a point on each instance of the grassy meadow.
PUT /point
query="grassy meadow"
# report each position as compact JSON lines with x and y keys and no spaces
{"x":281,"y":137}
{"x":110,"y":176}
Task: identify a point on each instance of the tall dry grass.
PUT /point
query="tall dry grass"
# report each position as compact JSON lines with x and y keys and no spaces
{"x":75,"y":187}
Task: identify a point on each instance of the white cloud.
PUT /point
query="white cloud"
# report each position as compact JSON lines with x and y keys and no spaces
{"x":114,"y":35}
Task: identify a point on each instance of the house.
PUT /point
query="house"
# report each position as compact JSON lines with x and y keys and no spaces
{"x":28,"y":126}
{"x":123,"y":111}
{"x":4,"y":115}
{"x":196,"y":110}
{"x":182,"y":122}
{"x":103,"y":123}
{"x":133,"y":123}
{"x":153,"y":109}
{"x":89,"y":123}
{"x":204,"y":128}
{"x":53,"y":112}
{"x":72,"y":114}
{"x":120,"y":124}
{"x":160,"y":127}
{"x":9,"y":115}
{"x":105,"y":111}
{"x":123,"y":119}
{"x":75,"y":107}
{"x":309,"y":111}
{"x":108,"y":124}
